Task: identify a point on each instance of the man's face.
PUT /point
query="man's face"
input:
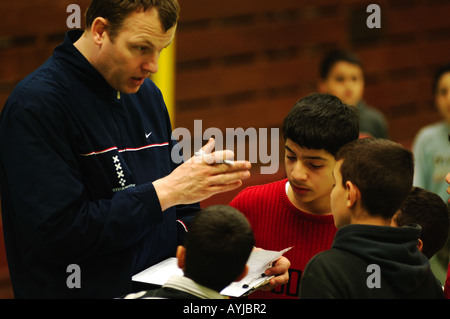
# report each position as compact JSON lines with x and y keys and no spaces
{"x":310,"y":177}
{"x":339,"y":198}
{"x":443,"y":96}
{"x":133,"y":55}
{"x":346,"y":81}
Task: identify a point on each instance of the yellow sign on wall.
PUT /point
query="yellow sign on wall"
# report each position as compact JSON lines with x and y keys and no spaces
{"x":165,"y":78}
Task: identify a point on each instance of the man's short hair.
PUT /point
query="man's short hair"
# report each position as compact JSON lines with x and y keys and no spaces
{"x":428,"y":210}
{"x":321,"y":121}
{"x":381,"y":169}
{"x":116,"y":11}
{"x":218,"y":244}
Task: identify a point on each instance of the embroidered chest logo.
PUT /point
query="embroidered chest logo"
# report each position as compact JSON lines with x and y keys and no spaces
{"x":119,"y":170}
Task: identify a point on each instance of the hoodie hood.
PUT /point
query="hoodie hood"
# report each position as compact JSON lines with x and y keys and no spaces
{"x":394,"y":249}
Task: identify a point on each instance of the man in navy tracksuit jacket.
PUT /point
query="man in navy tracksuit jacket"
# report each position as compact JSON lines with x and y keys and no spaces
{"x":91,"y":193}
{"x":92,"y":151}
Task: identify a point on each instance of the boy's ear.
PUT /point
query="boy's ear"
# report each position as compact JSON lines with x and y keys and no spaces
{"x":353,"y":194}
{"x":420,"y":244}
{"x":181,"y":256}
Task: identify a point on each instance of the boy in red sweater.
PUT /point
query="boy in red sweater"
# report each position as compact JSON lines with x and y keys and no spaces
{"x":296,"y":211}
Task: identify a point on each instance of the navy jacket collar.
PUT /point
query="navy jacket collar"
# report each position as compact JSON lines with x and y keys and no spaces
{"x":69,"y":55}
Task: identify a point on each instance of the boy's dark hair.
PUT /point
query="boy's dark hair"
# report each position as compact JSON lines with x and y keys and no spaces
{"x":428,"y":210}
{"x":334,"y":56}
{"x":437,"y":76}
{"x":321,"y":121}
{"x":218,"y":245}
{"x":381,"y":169}
{"x":116,"y":11}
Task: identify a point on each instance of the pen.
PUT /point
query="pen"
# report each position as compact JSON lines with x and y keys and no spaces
{"x":263,"y":283}
{"x":200,"y":153}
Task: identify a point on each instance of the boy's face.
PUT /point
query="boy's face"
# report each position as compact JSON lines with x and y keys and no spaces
{"x":346,"y":81}
{"x":339,"y":198}
{"x":310,"y":177}
{"x":443,"y":96}
{"x":133,"y":55}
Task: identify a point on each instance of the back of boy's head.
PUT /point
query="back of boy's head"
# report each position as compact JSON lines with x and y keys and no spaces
{"x":218,"y":245}
{"x":381,"y":169}
{"x":321,"y":121}
{"x":333,"y":57}
{"x":428,"y":210}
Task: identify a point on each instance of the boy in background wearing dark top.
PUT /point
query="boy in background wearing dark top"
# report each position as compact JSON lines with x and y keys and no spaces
{"x":369,"y":258}
{"x":428,"y":210}
{"x":296,"y":211}
{"x":215,"y":254}
{"x":341,"y":74}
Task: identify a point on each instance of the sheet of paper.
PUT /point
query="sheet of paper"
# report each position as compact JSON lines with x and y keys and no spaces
{"x":258,"y":262}
{"x":159,"y":274}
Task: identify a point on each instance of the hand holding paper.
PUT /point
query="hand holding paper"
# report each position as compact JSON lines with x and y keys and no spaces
{"x":260,"y":272}
{"x":278,"y":273}
{"x":259,"y":263}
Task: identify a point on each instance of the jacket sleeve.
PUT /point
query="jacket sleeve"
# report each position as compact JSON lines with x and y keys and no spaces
{"x":47,"y":201}
{"x":184,"y":213}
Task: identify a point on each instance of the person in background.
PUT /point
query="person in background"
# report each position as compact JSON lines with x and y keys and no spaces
{"x":341,"y":74}
{"x":431,"y":145}
{"x":447,"y":280}
{"x":428,"y":210}
{"x":447,"y":179}
{"x":431,"y":148}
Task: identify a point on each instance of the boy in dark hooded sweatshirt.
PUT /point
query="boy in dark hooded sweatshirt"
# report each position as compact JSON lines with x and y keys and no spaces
{"x":369,"y":258}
